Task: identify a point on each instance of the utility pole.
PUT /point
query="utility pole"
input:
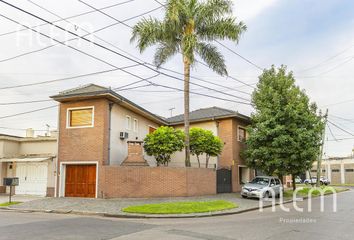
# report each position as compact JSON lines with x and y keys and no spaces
{"x":319,"y":161}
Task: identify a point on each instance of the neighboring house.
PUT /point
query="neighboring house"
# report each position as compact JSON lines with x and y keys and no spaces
{"x":230,"y":126}
{"x":339,"y":170}
{"x":97,"y":125}
{"x":32,"y":160}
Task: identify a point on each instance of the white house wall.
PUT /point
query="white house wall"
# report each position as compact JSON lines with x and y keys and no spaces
{"x":119,"y":148}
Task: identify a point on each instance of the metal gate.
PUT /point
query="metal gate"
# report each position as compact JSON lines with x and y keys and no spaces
{"x":223,"y":181}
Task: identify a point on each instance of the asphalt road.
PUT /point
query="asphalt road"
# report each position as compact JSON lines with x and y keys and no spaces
{"x":252,"y":225}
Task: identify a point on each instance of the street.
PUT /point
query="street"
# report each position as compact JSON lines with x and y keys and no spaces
{"x":250,"y":225}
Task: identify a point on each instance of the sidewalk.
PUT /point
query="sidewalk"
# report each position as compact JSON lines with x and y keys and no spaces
{"x":18,"y":198}
{"x":112,"y":207}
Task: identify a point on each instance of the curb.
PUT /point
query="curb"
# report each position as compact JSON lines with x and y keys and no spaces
{"x":151,"y":216}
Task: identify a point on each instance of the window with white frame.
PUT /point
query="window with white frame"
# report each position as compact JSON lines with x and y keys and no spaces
{"x":241,"y":134}
{"x":80,"y":117}
{"x":128,"y":123}
{"x":135,"y":125}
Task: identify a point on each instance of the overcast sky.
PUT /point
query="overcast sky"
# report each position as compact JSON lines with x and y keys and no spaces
{"x":315,"y":39}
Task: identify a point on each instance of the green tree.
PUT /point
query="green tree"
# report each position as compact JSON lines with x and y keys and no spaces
{"x":285,"y":134}
{"x":162,"y":143}
{"x":189,"y":27}
{"x":204,"y":142}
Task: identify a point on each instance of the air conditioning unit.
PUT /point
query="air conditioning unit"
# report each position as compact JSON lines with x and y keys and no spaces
{"x":123,"y":135}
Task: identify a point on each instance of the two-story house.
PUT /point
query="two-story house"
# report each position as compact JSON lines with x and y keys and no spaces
{"x":96,"y":126}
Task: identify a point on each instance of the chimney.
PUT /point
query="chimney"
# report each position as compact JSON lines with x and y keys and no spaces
{"x":135,"y":155}
{"x":30,"y":133}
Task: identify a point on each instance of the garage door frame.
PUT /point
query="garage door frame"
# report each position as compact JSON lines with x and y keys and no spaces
{"x":63,"y":171}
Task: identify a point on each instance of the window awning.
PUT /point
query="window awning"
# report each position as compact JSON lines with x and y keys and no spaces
{"x":5,"y":160}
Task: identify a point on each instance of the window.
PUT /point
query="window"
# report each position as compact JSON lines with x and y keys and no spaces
{"x":80,"y":117}
{"x":272,"y":182}
{"x":349,"y":170}
{"x":277,"y":181}
{"x":128,"y":124}
{"x":335,"y":170}
{"x":313,"y":170}
{"x":323,"y":170}
{"x":241,"y":134}
{"x":135,"y":125}
{"x":151,"y":129}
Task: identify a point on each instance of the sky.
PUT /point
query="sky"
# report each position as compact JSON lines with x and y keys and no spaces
{"x":314,"y":39}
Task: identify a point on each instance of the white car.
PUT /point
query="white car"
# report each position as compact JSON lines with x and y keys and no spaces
{"x":262,"y":187}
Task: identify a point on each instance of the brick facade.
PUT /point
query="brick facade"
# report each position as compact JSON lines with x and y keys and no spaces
{"x":84,"y":144}
{"x":119,"y":181}
{"x":230,"y":157}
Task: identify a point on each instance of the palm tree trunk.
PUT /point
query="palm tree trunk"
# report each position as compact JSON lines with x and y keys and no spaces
{"x":186,"y":109}
{"x":198,"y":161}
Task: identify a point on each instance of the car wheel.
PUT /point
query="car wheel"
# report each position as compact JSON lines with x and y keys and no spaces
{"x":243,"y":196}
{"x":266,"y":195}
{"x":321,"y":183}
{"x":306,"y":183}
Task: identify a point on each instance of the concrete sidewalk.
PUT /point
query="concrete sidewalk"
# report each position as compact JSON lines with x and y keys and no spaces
{"x":113,"y":207}
{"x":19,"y":198}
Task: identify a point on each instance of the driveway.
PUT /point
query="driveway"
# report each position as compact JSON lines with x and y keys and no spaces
{"x":278,"y":224}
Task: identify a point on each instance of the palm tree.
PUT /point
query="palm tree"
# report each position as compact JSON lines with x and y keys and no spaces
{"x":188,"y":28}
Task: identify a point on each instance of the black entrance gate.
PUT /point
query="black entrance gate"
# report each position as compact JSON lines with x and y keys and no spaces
{"x":223,"y":181}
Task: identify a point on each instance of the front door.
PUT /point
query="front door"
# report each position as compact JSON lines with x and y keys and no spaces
{"x":80,"y":181}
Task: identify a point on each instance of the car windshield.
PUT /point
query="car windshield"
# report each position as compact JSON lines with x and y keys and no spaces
{"x":261,"y":181}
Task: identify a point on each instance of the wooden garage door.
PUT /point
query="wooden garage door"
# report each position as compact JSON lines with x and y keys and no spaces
{"x":80,"y":181}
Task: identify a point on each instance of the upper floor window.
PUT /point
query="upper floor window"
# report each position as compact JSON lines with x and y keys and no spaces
{"x":128,"y":123}
{"x":135,"y":125}
{"x":241,"y":134}
{"x":80,"y":117}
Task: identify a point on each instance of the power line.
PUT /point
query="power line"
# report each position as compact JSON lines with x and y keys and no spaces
{"x":345,"y":119}
{"x":73,"y":16}
{"x":239,"y":55}
{"x":109,"y":16}
{"x":330,"y":130}
{"x":201,"y":94}
{"x":331,"y":69}
{"x":94,"y":43}
{"x":337,"y":103}
{"x":326,"y":60}
{"x":32,"y":111}
{"x":122,"y":88}
{"x":200,"y":79}
{"x":341,"y":128}
{"x":65,"y":79}
{"x":87,"y":33}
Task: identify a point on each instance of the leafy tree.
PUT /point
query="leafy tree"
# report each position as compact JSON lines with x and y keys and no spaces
{"x":189,"y":27}
{"x":162,"y":143}
{"x":204,"y":142}
{"x":285,"y":134}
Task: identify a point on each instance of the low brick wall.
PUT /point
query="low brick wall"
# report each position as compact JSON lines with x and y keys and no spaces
{"x":149,"y":182}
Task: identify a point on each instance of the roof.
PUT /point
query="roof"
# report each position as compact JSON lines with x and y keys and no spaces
{"x":96,"y":91}
{"x":207,"y":114}
{"x":93,"y":90}
{"x":26,"y":159}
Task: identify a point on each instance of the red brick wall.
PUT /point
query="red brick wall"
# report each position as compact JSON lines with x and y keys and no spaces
{"x":118,"y":181}
{"x":84,"y":144}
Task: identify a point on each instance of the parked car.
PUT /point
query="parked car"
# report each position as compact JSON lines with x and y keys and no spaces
{"x":262,"y":187}
{"x":298,"y":180}
{"x":313,"y":180}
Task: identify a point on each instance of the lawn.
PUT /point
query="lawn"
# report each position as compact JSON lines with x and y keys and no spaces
{"x":304,"y":191}
{"x":6,"y":204}
{"x":181,"y":207}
